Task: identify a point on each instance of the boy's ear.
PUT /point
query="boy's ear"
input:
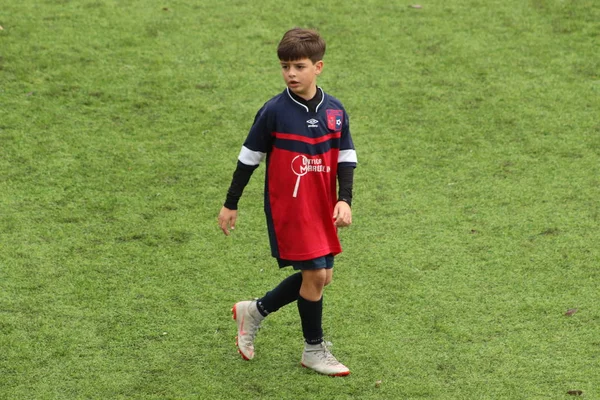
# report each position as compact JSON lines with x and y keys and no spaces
{"x":319,"y":67}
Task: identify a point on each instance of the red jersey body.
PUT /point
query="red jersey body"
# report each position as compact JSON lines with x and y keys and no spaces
{"x":303,"y":150}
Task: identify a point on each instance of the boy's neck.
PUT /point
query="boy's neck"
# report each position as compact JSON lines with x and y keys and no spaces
{"x":311,"y":103}
{"x":308,"y":96}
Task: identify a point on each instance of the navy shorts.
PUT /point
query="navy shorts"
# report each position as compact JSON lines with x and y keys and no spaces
{"x":325,"y":262}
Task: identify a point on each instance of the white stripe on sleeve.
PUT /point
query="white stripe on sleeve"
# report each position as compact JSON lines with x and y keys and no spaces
{"x":347,"y":156}
{"x":250,"y":157}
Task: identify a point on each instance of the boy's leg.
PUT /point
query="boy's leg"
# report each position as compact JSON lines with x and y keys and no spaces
{"x":286,"y":292}
{"x":328,"y":276}
{"x":310,"y":306}
{"x":249,"y":314}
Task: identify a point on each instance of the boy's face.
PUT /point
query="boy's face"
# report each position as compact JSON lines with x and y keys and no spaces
{"x":301,"y":76}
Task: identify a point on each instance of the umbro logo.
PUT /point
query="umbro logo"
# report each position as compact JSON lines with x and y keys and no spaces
{"x":312,"y":123}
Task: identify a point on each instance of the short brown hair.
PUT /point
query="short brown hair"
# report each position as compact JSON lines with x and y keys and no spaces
{"x":300,"y":43}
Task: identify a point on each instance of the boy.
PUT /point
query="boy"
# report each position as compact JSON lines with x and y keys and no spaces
{"x":305,"y":137}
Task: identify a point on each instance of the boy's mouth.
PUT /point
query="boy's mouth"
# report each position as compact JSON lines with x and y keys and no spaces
{"x":293,"y":83}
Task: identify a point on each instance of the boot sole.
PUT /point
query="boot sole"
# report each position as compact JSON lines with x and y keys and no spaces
{"x":344,"y":373}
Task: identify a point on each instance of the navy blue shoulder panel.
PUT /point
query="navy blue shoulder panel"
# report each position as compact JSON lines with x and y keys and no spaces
{"x":283,"y":115}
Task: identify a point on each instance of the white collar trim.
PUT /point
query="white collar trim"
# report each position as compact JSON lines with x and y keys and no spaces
{"x":305,"y":107}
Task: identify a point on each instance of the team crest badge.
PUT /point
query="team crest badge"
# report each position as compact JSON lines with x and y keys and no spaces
{"x":334,"y":119}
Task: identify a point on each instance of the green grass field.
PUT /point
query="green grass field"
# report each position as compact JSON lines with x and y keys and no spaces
{"x":476,"y":213}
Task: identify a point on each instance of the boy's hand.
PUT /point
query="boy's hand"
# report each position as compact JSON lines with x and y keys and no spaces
{"x":342,"y":213}
{"x":227,"y":219}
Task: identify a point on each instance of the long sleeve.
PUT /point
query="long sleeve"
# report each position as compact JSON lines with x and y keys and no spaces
{"x":345,"y":181}
{"x":241,"y":177}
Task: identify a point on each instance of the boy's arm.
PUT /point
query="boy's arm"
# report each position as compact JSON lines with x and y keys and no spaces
{"x":345,"y":182}
{"x":228,"y":213}
{"x":346,"y":164}
{"x":342,"y":213}
{"x":252,"y":153}
{"x":241,"y":177}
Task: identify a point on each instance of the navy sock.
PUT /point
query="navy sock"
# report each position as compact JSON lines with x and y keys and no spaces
{"x":311,"y":314}
{"x":287,"y":291}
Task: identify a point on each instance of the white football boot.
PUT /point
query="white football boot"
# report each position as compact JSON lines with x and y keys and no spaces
{"x":318,"y":357}
{"x":248,"y":321}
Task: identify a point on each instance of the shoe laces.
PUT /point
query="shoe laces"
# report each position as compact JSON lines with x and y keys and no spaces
{"x":325,"y":355}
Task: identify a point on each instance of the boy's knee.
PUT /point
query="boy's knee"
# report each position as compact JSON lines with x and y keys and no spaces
{"x":316,"y":277}
{"x":328,"y":279}
{"x":313,"y":282}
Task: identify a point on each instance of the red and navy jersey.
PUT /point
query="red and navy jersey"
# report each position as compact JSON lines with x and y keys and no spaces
{"x":303,"y":150}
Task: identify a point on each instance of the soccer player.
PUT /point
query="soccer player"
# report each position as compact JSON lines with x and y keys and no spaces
{"x":304,"y":135}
